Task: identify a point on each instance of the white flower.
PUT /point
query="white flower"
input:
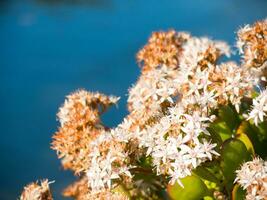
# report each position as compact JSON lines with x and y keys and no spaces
{"x":195,"y":124}
{"x":259,"y":108}
{"x":206,"y":99}
{"x":108,"y":165}
{"x":114,"y":99}
{"x":100,"y":173}
{"x":208,"y":149}
{"x":179,"y":170}
{"x":240,"y":43}
{"x":252,"y":176}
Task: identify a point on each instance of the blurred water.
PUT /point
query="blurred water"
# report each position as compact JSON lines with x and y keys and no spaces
{"x":52,"y":47}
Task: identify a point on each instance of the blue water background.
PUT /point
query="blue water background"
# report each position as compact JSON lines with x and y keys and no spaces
{"x":49,"y":48}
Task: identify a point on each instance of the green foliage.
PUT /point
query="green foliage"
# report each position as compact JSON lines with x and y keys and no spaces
{"x":237,"y":142}
{"x":238,"y":193}
{"x":206,"y":174}
{"x":233,"y":154}
{"x":220,"y":131}
{"x":194,"y":188}
{"x":225,"y":125}
{"x":242,"y":136}
{"x":229,"y":116}
{"x":257,"y":137}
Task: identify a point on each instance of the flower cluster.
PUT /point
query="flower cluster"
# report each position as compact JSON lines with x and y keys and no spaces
{"x":252,"y":42}
{"x":253,"y":177}
{"x":80,"y":191}
{"x":162,"y":48}
{"x":167,"y":134}
{"x":109,"y":160}
{"x":259,"y":108}
{"x":175,"y":102}
{"x":86,"y":145}
{"x":80,"y":125}
{"x":33,"y":191}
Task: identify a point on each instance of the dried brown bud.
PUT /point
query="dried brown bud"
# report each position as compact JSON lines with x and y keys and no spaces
{"x":80,"y":124}
{"x":162,"y":48}
{"x":252,"y":42}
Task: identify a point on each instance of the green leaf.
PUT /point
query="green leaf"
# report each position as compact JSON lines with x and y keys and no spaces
{"x":238,"y":193}
{"x":205,"y":174}
{"x":234,"y":153}
{"x":145,"y":161}
{"x":122,"y":190}
{"x":215,"y":137}
{"x":262,"y":130}
{"x":241,"y":135}
{"x":255,"y":135}
{"x":208,"y":198}
{"x":229,"y":116}
{"x":221,"y":129}
{"x":215,"y":168}
{"x":194,"y":188}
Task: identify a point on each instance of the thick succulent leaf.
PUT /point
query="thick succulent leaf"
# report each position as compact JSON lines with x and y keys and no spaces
{"x":221,"y":130}
{"x":215,"y":137}
{"x":241,"y":135}
{"x":229,"y":116}
{"x":208,"y":198}
{"x":262,"y":130}
{"x":194,"y":188}
{"x":238,"y":193}
{"x":122,"y":190}
{"x":214,"y":168}
{"x":233,"y":154}
{"x":255,"y":135}
{"x":205,"y":174}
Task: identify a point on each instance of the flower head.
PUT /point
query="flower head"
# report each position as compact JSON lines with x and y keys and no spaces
{"x":163,"y":48}
{"x":82,"y":108}
{"x":259,"y":108}
{"x":35,"y":191}
{"x":252,"y":176}
{"x":252,"y":44}
{"x":80,"y":125}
